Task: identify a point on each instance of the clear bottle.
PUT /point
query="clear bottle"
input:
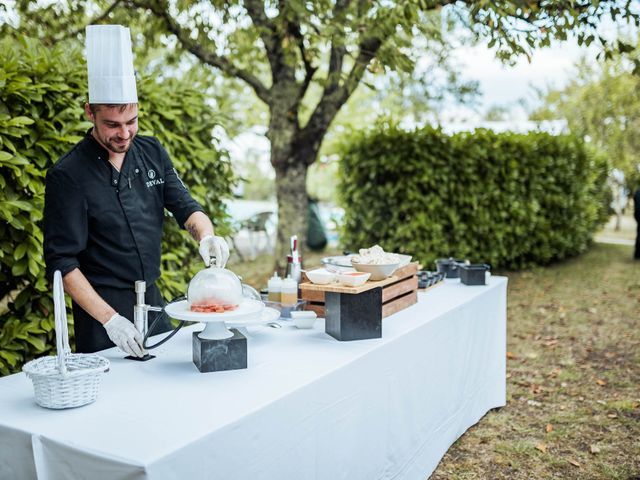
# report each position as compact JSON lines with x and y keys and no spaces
{"x":289,"y":291}
{"x":274,"y":287}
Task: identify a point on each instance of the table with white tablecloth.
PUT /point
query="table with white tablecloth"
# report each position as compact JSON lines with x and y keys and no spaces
{"x":307,"y":407}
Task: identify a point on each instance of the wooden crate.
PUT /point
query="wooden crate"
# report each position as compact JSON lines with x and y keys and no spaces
{"x":398,"y":291}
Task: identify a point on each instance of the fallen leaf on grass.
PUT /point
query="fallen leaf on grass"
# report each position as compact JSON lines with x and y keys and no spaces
{"x":536,"y":389}
{"x":612,"y":415}
{"x":542,"y":447}
{"x":594,"y":449}
{"x":600,"y":382}
{"x":511,"y":356}
{"x":593,"y":310}
{"x":549,"y":428}
{"x":574,"y":463}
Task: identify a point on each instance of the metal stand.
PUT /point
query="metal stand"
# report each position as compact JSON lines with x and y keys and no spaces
{"x":141,"y":316}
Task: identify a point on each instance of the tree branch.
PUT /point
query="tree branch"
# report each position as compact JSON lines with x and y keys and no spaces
{"x":310,"y":70}
{"x":271,"y":37}
{"x":264,"y":25}
{"x":208,"y":57}
{"x":334,"y":97}
{"x":338,"y":50}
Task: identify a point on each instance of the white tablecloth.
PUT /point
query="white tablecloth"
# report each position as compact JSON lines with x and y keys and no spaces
{"x":307,"y":406}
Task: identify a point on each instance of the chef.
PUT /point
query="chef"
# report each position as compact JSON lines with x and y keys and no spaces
{"x":105,"y":201}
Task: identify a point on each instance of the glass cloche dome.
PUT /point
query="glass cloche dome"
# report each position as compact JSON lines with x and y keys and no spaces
{"x":214,"y":289}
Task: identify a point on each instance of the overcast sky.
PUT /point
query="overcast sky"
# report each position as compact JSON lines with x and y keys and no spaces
{"x":505,"y":85}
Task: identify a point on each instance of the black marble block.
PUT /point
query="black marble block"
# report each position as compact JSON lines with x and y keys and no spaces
{"x":218,"y":355}
{"x":350,"y":316}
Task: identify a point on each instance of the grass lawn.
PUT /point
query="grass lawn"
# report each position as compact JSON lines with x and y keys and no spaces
{"x":573,"y":377}
{"x":573,"y":374}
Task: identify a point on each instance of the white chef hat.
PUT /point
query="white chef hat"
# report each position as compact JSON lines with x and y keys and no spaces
{"x":110,"y":65}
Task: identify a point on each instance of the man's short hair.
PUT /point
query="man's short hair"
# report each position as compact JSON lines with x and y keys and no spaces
{"x":94,"y":107}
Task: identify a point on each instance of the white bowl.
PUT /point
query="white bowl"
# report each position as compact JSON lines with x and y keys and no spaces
{"x":404,"y":259}
{"x":353,"y":279}
{"x":304,"y":318}
{"x":378,"y":272}
{"x":321,"y":276}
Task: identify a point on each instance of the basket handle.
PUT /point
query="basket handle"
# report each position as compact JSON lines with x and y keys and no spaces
{"x":60,"y":315}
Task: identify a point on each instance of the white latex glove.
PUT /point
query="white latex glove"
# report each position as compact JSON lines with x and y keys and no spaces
{"x":212,"y":246}
{"x":127,"y":337}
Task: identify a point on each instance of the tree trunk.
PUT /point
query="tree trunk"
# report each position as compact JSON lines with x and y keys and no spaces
{"x":293,"y":150}
{"x":291,"y":190}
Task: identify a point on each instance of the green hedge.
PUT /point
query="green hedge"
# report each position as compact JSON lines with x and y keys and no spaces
{"x":512,"y":200}
{"x":41,"y":117}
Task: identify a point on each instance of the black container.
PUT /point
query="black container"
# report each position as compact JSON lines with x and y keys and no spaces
{"x":427,"y":279}
{"x":474,"y":273}
{"x":449,"y":266}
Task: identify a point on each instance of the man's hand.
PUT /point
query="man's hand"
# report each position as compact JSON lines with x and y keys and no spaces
{"x":127,"y":337}
{"x":212,"y":246}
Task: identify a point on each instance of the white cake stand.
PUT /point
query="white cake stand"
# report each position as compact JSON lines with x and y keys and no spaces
{"x":249,"y":312}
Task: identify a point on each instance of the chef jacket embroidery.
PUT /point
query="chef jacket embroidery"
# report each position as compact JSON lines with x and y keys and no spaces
{"x":154,"y":181}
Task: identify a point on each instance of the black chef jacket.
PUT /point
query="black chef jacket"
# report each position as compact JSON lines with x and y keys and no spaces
{"x":109,"y":223}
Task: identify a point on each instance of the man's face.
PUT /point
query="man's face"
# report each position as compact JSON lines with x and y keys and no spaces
{"x":113,"y":128}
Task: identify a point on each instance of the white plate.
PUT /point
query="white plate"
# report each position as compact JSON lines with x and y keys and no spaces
{"x":248,"y":308}
{"x":343,"y":262}
{"x":266,"y":315}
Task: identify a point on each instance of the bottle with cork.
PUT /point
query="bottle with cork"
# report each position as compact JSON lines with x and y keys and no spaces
{"x":294,"y":261}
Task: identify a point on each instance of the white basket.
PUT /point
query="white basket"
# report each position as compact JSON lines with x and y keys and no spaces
{"x":68,"y":379}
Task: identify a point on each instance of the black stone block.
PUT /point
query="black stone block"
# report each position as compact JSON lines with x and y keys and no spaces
{"x":218,"y":355}
{"x":354,"y":316}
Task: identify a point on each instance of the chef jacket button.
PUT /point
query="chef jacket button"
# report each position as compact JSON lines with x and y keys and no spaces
{"x":137,"y":170}
{"x":115,"y":182}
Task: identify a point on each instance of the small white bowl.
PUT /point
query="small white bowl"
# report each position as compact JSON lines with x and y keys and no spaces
{"x":353,"y":279}
{"x":304,"y":318}
{"x":378,"y":272}
{"x":320,"y":276}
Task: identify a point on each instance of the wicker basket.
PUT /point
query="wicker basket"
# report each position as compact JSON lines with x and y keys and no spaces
{"x":68,"y":379}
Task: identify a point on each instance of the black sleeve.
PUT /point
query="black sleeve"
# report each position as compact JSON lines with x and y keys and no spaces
{"x":636,"y":205}
{"x":65,"y":223}
{"x":177,"y":198}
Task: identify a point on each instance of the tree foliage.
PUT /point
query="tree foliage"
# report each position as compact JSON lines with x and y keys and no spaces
{"x":601,"y":104}
{"x":41,"y":117}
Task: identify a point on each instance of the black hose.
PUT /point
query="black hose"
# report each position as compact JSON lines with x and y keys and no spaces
{"x":155,"y":322}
